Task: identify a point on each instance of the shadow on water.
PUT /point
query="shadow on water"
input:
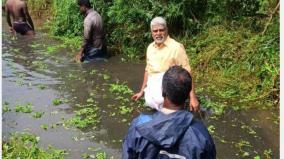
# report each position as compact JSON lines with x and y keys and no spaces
{"x":34,"y":72}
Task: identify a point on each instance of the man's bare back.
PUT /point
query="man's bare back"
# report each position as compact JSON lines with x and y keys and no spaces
{"x":22,"y":22}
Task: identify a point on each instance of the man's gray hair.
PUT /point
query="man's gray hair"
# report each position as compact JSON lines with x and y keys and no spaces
{"x":158,"y":21}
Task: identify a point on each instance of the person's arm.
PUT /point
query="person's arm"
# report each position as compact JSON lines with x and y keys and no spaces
{"x":194,"y":103}
{"x":79,"y":55}
{"x":29,"y":19}
{"x":141,"y":92}
{"x":87,"y":31}
{"x":182,"y":60}
{"x":8,"y":18}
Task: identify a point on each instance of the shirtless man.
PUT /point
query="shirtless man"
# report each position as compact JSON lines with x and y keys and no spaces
{"x":22,"y":22}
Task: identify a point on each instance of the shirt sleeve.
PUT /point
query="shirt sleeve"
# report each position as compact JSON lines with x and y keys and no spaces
{"x":181,"y":58}
{"x":147,"y":59}
{"x":87,"y":30}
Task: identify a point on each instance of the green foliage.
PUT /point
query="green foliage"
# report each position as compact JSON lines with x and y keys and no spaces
{"x":242,"y":7}
{"x":39,"y":6}
{"x":25,"y":145}
{"x":239,"y":64}
{"x":66,"y":18}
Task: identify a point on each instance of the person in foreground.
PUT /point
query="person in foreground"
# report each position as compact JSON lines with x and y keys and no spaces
{"x":92,"y":47}
{"x":171,"y":132}
{"x":161,"y":54}
{"x":22,"y":22}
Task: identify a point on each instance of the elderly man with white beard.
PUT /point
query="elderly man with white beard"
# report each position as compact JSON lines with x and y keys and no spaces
{"x":161,"y":54}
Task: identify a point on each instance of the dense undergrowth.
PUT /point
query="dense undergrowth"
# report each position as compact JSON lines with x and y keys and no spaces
{"x":233,"y":45}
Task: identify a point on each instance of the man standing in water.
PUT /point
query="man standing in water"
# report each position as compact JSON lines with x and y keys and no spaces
{"x":163,"y":53}
{"x":22,"y":22}
{"x":92,"y":47}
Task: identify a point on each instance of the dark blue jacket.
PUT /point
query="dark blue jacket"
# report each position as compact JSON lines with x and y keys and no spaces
{"x":176,"y":135}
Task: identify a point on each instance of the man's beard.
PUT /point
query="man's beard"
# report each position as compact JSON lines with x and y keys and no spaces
{"x":160,"y":39}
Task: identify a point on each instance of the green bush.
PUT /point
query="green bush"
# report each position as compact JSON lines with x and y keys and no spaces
{"x":66,"y":20}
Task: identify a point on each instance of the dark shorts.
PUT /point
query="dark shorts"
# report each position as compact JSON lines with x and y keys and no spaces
{"x":21,"y":27}
{"x":92,"y":53}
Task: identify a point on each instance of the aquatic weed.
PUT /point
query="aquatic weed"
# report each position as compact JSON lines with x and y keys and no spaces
{"x":44,"y":126}
{"x":106,"y":77}
{"x":39,"y":64}
{"x":25,"y":145}
{"x":249,"y":129}
{"x":26,"y":108}
{"x":94,"y":71}
{"x":256,"y":157}
{"x":20,"y":82}
{"x":84,"y":118}
{"x":58,"y":101}
{"x":6,"y":107}
{"x":217,"y":107}
{"x":125,"y":110}
{"x":101,"y":155}
{"x":34,"y":46}
{"x":41,"y":86}
{"x":243,"y":145}
{"x":120,"y":89}
{"x":268,"y":153}
{"x":53,"y":49}
{"x":211,"y":129}
{"x":38,"y":114}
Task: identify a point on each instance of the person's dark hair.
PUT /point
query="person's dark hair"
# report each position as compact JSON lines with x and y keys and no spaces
{"x":84,"y":3}
{"x":176,"y":85}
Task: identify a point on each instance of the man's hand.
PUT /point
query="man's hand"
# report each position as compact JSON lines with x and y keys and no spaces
{"x":11,"y":30}
{"x":137,"y":96}
{"x":194,"y":104}
{"x":78,"y":57}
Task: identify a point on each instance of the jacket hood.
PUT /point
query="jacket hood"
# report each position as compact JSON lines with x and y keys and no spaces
{"x":165,"y":130}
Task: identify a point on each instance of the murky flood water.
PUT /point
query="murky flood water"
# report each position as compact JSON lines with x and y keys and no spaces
{"x":35,"y":73}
